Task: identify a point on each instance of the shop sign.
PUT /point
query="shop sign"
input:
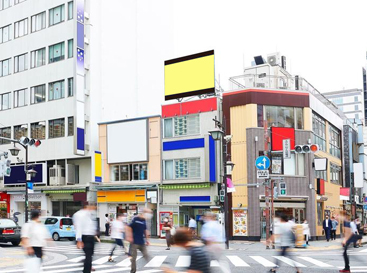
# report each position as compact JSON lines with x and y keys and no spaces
{"x":240,"y":222}
{"x":31,"y":197}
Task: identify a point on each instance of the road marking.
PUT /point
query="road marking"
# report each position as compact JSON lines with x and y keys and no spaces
{"x":112,"y":270}
{"x":263,"y":261}
{"x":76,"y":269}
{"x":157,"y":261}
{"x":214,"y":263}
{"x":77,"y":259}
{"x":364,"y":250}
{"x":289,"y":261}
{"x":237,"y":261}
{"x":127,"y":262}
{"x":315,"y":262}
{"x":183,"y":261}
{"x":103,"y":260}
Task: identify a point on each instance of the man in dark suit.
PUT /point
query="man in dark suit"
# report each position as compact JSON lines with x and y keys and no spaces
{"x":327,"y":225}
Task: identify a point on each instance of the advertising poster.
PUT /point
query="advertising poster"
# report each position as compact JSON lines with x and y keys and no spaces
{"x":276,"y":166}
{"x":240,"y":222}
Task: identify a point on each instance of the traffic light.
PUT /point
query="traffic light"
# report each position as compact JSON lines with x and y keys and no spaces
{"x":7,"y":169}
{"x":282,"y":188}
{"x":306,"y":148}
{"x":30,"y":142}
{"x":275,"y":192}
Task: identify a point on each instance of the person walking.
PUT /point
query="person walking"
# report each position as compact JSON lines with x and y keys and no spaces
{"x":135,"y":234}
{"x":360,"y":231}
{"x":353,"y":226}
{"x":85,"y":225}
{"x":107,"y":225}
{"x":334,"y":226}
{"x":167,"y":227}
{"x":306,"y":231}
{"x":327,"y":227}
{"x":200,"y":258}
{"x":34,"y":237}
{"x":117,"y":231}
{"x":192,"y":226}
{"x":286,"y":237}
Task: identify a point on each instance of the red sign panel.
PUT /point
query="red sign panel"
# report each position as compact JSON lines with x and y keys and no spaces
{"x":320,"y":186}
{"x":345,"y":191}
{"x":277,"y":136}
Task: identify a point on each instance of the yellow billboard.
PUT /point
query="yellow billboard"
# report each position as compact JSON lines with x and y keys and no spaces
{"x":189,"y":76}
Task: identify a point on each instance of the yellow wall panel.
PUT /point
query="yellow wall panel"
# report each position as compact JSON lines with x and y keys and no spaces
{"x":121,"y":196}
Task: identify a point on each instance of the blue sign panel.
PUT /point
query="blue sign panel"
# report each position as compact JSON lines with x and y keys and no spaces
{"x":17,"y":175}
{"x":262,"y":163}
{"x":364,"y":207}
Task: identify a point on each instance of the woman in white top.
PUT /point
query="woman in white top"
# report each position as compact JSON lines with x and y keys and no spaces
{"x":117,"y":231}
{"x":306,"y":231}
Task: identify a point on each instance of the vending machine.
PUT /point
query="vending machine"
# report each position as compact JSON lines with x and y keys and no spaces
{"x":162,"y":216}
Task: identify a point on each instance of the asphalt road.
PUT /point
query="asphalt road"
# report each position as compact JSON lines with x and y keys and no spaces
{"x":63,"y":256}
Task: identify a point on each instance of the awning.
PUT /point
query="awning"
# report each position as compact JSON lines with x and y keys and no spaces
{"x":185,"y":186}
{"x":64,"y":191}
{"x":124,"y":187}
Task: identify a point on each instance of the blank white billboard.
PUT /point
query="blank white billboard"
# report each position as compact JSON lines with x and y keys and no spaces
{"x":358,"y":175}
{"x":127,"y":141}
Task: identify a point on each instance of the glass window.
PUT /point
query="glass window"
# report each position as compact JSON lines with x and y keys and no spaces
{"x":70,"y":87}
{"x":21,"y":28}
{"x":319,"y":131}
{"x":4,"y":4}
{"x":38,"y":21}
{"x":70,"y":48}
{"x":5,"y":132}
{"x":278,"y":116}
{"x":181,"y":169}
{"x":288,"y":166}
{"x":334,"y":141}
{"x":5,"y":67}
{"x":38,"y":94}
{"x":194,"y":167}
{"x":140,"y":172}
{"x":355,"y":98}
{"x":186,"y":125}
{"x":56,"y":52}
{"x":124,"y":173}
{"x":70,"y":10}
{"x":115,"y":170}
{"x":168,"y":169}
{"x":56,"y":90}
{"x":320,"y":218}
{"x":168,"y":127}
{"x":38,"y":57}
{"x":5,"y":101}
{"x":356,"y":107}
{"x":70,"y":126}
{"x":38,"y":130}
{"x":57,"y":15}
{"x":21,"y":63}
{"x":5,"y":33}
{"x":20,"y":98}
{"x":18,"y":1}
{"x":20,"y":131}
{"x":260,"y":116}
{"x":335,"y":174}
{"x":299,"y":118}
{"x":56,"y":128}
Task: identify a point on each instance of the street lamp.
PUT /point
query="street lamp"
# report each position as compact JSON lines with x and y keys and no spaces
{"x":216,"y":134}
{"x":14,"y":151}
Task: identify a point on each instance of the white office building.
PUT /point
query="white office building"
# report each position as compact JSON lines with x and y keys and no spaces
{"x":64,"y":67}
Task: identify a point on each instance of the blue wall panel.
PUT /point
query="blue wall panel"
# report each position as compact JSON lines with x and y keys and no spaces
{"x":192,"y":199}
{"x":212,"y":162}
{"x":184,"y":144}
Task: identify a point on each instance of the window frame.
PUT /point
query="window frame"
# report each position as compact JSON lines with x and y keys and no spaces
{"x":71,"y":88}
{"x":2,"y":33}
{"x":37,"y":135}
{"x":34,"y":57}
{"x":51,"y":127}
{"x":16,"y":98}
{"x":2,"y":67}
{"x":72,"y":48}
{"x":71,"y":132}
{"x":19,"y":128}
{"x":59,"y":58}
{"x":34,"y":22}
{"x":32,"y":94}
{"x":336,"y":170}
{"x":3,"y":141}
{"x":71,"y":3}
{"x":317,"y":123}
{"x":62,"y":17}
{"x":2,"y":99}
{"x":174,"y":164}
{"x":17,"y":63}
{"x":334,"y":145}
{"x":17,"y":28}
{"x":186,"y":121}
{"x":62,"y":92}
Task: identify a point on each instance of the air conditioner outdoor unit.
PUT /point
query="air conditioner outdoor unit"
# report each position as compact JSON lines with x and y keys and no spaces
{"x":260,"y":85}
{"x":57,"y":176}
{"x":71,"y":178}
{"x":274,"y":59}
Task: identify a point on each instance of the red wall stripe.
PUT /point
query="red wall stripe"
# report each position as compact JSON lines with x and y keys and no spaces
{"x":190,"y":107}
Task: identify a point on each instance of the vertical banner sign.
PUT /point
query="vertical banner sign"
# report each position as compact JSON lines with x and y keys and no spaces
{"x":79,"y":136}
{"x":286,"y":148}
{"x":97,"y":166}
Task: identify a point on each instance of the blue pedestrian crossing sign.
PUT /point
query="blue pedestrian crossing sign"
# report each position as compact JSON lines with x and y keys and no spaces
{"x":262,"y":163}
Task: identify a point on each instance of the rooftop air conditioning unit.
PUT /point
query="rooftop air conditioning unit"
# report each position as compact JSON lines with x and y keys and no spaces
{"x":274,"y":59}
{"x":57,"y":176}
{"x":260,"y":85}
{"x":72,"y":177}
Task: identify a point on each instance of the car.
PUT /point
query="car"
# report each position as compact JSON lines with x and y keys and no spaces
{"x":60,"y":227}
{"x":9,"y":231}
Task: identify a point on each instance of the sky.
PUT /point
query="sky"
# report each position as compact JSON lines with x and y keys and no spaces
{"x":324,"y":42}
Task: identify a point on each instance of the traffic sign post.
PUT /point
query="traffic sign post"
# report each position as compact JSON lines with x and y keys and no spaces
{"x":262,"y":174}
{"x":262,"y":163}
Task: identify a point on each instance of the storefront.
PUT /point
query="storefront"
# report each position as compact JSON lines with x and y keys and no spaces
{"x":4,"y":205}
{"x":65,"y":202}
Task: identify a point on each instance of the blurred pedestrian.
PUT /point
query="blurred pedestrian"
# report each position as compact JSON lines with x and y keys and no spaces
{"x":287,"y":238}
{"x":200,"y":258}
{"x":334,"y":226}
{"x":117,"y":230}
{"x":34,"y":237}
{"x":306,"y":231}
{"x":85,"y":225}
{"x":107,"y":225}
{"x":192,"y":226}
{"x":326,"y":225}
{"x":135,"y":234}
{"x":167,"y":226}
{"x":360,"y":231}
{"x":125,"y":223}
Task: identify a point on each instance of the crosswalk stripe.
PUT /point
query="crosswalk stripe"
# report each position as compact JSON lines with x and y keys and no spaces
{"x":183,"y":261}
{"x":237,"y":261}
{"x":157,"y":261}
{"x":113,"y":270}
{"x":76,"y":269}
{"x":364,"y":250}
{"x":315,"y":262}
{"x":263,"y":261}
{"x":214,"y":263}
{"x":127,"y":262}
{"x":289,"y":261}
{"x":149,"y":271}
{"x":103,"y":260}
{"x":77,"y":259}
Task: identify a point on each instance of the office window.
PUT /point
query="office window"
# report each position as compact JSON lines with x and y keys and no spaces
{"x":319,"y":131}
{"x":20,"y":131}
{"x":20,"y":98}
{"x":18,"y":1}
{"x":355,"y":98}
{"x":38,"y":21}
{"x":5,"y":101}
{"x":56,"y":128}
{"x":20,"y":63}
{"x":70,"y":48}
{"x":288,"y":166}
{"x":38,"y":57}
{"x":140,"y":171}
{"x":335,"y":174}
{"x":168,"y":127}
{"x":279,"y":116}
{"x":182,"y":126}
{"x":168,"y":169}
{"x":38,"y":130}
{"x":4,"y":4}
{"x":182,"y":168}
{"x":38,"y":94}
{"x":334,"y":141}
{"x":320,"y":217}
{"x":56,"y":52}
{"x":5,"y":67}
{"x":356,"y":107}
{"x":57,"y":15}
{"x":356,"y":116}
{"x":70,"y":126}
{"x":120,"y":173}
{"x":5,"y":132}
{"x":70,"y":87}
{"x":5,"y":33}
{"x":21,"y":28}
{"x":70,"y":10}
{"x":56,"y":90}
